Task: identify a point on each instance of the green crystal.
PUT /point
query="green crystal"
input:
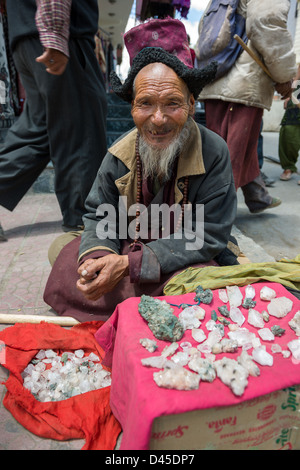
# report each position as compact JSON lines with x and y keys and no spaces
{"x":204,"y":296}
{"x":214,"y":315}
{"x":249,"y":303}
{"x":277,"y":330}
{"x":224,"y":321}
{"x":160,"y":318}
{"x":224,"y":311}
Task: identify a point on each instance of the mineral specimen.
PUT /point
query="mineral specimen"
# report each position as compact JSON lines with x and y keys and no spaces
{"x":277,"y":330}
{"x":262,"y":357}
{"x":203,"y":367}
{"x":223,"y":295}
{"x":54,"y":378}
{"x":177,"y":378}
{"x":188,"y":319}
{"x":236,"y":316}
{"x":255,"y":319}
{"x":226,"y":345}
{"x":294,"y":347}
{"x":249,"y":292}
{"x":224,"y":311}
{"x":232,"y":374}
{"x":280,"y":307}
{"x":170,"y":349}
{"x":198,"y":335}
{"x":181,"y":358}
{"x":161,"y":320}
{"x":248,"y":303}
{"x":247,"y":362}
{"x":267,"y":293}
{"x":149,"y":344}
{"x":204,"y":296}
{"x":234,"y":295}
{"x":295,"y":323}
{"x":266,"y":334}
{"x":154,"y":361}
{"x":243,"y":336}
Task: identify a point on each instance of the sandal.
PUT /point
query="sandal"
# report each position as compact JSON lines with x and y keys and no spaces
{"x":286,"y":175}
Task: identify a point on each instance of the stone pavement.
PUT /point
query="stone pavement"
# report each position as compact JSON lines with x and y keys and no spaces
{"x":24,"y":270}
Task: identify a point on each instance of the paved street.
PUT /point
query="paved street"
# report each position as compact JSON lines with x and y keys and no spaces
{"x":276,"y":231}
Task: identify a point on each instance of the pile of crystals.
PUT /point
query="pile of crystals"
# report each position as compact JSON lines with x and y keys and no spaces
{"x":53,"y":377}
{"x":226,"y":332}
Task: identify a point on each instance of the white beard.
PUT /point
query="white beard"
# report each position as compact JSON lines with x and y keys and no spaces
{"x":159,"y":162}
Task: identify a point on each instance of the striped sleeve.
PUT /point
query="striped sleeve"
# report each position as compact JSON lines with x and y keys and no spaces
{"x":53,"y":23}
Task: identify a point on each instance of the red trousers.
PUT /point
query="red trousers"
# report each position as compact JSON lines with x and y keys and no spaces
{"x":239,"y":125}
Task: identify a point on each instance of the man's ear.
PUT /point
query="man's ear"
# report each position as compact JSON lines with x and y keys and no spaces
{"x":192,"y":105}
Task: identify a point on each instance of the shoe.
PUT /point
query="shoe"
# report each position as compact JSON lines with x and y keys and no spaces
{"x":268,"y":182}
{"x":299,"y":182}
{"x":275,"y":202}
{"x":286,"y":175}
{"x":2,"y":236}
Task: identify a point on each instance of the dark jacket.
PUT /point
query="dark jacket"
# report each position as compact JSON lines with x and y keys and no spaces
{"x":206,"y":161}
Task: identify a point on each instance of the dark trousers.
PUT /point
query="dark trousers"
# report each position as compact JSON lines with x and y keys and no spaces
{"x":64,"y":120}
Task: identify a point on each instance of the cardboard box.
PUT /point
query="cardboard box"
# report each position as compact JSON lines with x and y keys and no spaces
{"x":269,"y":422}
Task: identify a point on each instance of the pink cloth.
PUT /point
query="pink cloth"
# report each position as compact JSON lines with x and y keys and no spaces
{"x":136,"y":400}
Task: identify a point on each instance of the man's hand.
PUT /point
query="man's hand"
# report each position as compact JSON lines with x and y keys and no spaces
{"x":100,"y":276}
{"x":284,"y":89}
{"x":54,"y":61}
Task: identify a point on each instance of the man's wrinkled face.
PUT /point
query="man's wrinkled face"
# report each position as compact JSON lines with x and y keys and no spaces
{"x":161,"y":106}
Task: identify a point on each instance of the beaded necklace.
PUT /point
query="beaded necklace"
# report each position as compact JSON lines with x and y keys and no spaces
{"x":139,"y":194}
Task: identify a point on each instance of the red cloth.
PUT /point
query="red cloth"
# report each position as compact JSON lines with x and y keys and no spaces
{"x":136,"y":400}
{"x":239,"y":126}
{"x":86,"y":416}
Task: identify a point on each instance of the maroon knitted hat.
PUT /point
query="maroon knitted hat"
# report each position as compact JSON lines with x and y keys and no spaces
{"x":165,"y":41}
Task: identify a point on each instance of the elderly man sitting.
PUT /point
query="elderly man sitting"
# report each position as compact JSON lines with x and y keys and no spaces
{"x":166,"y":161}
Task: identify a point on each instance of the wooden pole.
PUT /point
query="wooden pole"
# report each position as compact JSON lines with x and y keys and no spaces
{"x":11,"y":318}
{"x":252,"y":54}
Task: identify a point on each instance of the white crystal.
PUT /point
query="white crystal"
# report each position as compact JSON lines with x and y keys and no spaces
{"x":154,"y":361}
{"x":294,"y":347}
{"x":262,"y":357}
{"x":203,"y":367}
{"x":280,"y":307}
{"x":276,"y":348}
{"x":266,"y":293}
{"x":232,"y":374}
{"x":286,"y":354}
{"x":295,"y":323}
{"x":188,"y":319}
{"x":236,"y":315}
{"x":256,"y":342}
{"x":223,"y":295}
{"x":170,"y":349}
{"x":148,"y":344}
{"x":177,"y":378}
{"x":198,"y":335}
{"x":247,"y":362}
{"x":49,"y":353}
{"x":226,"y":345}
{"x":266,"y":334}
{"x":197,"y":311}
{"x":210,"y":325}
{"x":79,"y":353}
{"x":67,"y":377}
{"x":255,"y":318}
{"x":214,"y":337}
{"x":249,"y":292}
{"x":181,"y":358}
{"x":243,"y":336}
{"x":185,"y":345}
{"x":235,"y":296}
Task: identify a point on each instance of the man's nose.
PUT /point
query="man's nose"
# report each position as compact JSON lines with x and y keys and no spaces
{"x":158,"y":116}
